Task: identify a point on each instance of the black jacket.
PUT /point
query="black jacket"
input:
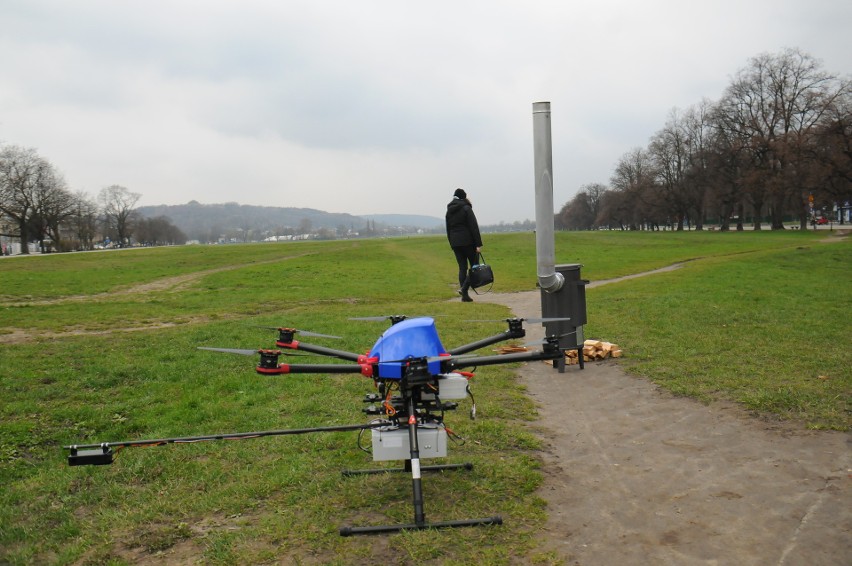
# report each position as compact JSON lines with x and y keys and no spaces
{"x":462,"y":228}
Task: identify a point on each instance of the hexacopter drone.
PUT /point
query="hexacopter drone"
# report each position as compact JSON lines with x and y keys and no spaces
{"x":417,"y":380}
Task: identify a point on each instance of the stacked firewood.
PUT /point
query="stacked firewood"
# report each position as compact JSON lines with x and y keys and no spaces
{"x":592,"y":351}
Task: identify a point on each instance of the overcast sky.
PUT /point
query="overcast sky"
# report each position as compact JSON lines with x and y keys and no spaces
{"x":372,"y":106}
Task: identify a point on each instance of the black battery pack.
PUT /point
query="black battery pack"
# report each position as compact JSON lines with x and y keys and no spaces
{"x":97,"y":457}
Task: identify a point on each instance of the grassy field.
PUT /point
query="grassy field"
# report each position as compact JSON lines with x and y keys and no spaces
{"x":102,"y":347}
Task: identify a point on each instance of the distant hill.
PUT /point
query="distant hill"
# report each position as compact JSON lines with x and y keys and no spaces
{"x":210,"y":222}
{"x":412,"y":220}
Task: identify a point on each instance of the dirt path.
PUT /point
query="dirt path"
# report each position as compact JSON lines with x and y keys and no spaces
{"x":159,"y":286}
{"x":634,"y":475}
{"x":162,"y":285}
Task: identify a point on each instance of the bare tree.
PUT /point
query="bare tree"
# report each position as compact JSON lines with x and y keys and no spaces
{"x":634,"y":178}
{"x":22,"y":174}
{"x":246,"y":227}
{"x":595,"y":192}
{"x":697,"y":125}
{"x":776,"y":103}
{"x":576,"y":214}
{"x":729,"y":161}
{"x":305,"y":226}
{"x":159,"y":231}
{"x":669,"y":148}
{"x":832,"y":153}
{"x":581,"y":212}
{"x":84,"y":221}
{"x":54,"y":205}
{"x":117,"y":204}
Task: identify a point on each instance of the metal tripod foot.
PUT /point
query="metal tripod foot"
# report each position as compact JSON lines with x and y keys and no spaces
{"x":438,"y":468}
{"x":349,"y":531}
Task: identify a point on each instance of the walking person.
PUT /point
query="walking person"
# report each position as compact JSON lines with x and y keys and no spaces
{"x":463,"y":234}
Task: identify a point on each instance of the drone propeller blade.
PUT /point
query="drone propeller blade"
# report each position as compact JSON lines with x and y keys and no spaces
{"x":302,"y":332}
{"x":557,"y":319}
{"x":317,"y":334}
{"x":545,"y":340}
{"x":250,"y":352}
{"x":394,"y":318}
{"x":230,"y":351}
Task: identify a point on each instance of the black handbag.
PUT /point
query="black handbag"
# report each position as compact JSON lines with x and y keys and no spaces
{"x":480,"y":274}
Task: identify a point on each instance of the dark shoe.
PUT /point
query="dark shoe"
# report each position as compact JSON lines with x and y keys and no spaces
{"x":465,"y":296}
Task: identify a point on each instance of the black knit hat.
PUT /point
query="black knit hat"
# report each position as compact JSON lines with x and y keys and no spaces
{"x":460,"y":193}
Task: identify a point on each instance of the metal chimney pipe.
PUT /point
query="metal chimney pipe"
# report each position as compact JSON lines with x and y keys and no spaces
{"x":548,"y":278}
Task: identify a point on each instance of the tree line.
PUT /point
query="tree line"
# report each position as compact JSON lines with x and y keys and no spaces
{"x":776,"y":146}
{"x":36,"y":205}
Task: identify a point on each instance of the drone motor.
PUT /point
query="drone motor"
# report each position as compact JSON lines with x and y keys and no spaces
{"x":268,"y":361}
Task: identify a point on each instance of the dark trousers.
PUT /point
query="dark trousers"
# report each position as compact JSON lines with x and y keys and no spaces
{"x":465,"y":256}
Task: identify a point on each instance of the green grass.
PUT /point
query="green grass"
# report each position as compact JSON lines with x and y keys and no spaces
{"x":102,"y":346}
{"x":768,"y":329}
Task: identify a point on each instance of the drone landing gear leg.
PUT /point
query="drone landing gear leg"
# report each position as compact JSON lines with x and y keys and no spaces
{"x":417,"y":489}
{"x":438,"y":468}
{"x":349,"y":531}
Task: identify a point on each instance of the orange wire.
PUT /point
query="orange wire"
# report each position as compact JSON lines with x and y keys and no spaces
{"x":389,"y":410}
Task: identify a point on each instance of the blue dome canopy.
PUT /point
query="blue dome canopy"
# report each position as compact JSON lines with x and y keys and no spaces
{"x":411,"y":338}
